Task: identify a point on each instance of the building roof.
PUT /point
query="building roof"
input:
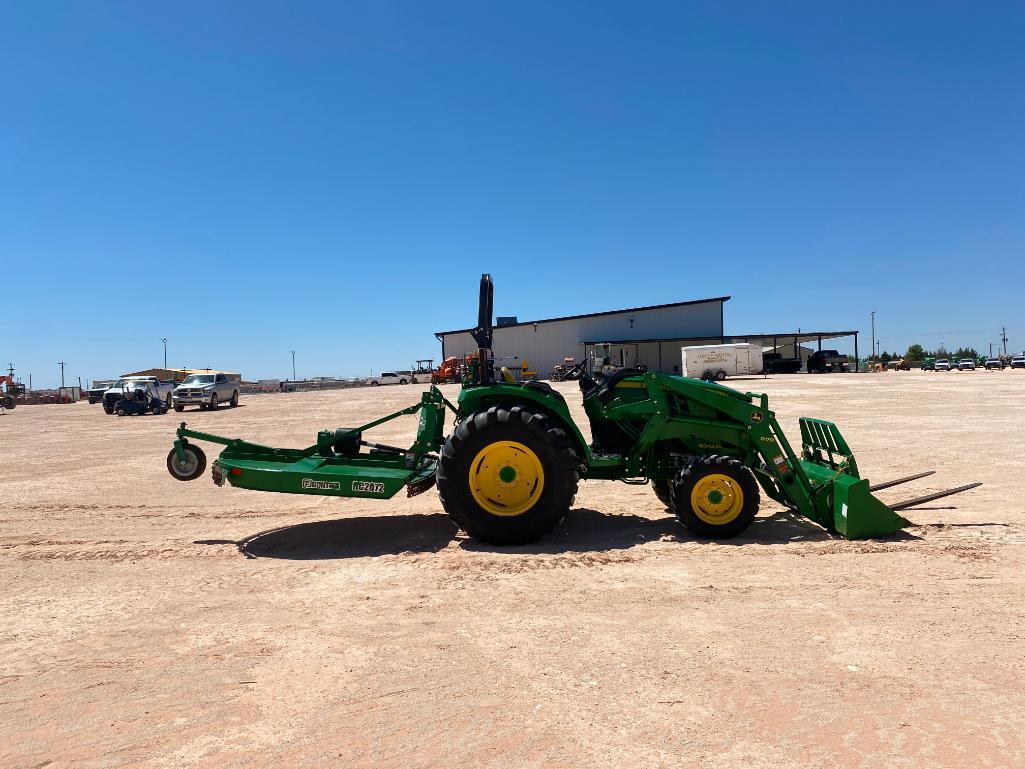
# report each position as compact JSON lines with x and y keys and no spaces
{"x":440,"y":334}
{"x":783,"y":336}
{"x":172,"y":373}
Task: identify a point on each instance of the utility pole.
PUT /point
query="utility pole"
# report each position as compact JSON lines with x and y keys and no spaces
{"x":293,"y":365}
{"x":162,"y":339}
{"x":1003,"y":337}
{"x":873,"y":330}
{"x":61,"y":364}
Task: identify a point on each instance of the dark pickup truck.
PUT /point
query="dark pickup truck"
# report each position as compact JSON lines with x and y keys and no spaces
{"x":826,"y":360}
{"x":775,"y":363}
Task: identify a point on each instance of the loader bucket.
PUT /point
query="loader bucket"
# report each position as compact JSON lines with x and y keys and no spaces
{"x":843,"y":500}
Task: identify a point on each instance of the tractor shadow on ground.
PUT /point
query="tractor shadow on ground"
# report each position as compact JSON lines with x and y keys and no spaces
{"x":351,"y":538}
{"x":584,"y":530}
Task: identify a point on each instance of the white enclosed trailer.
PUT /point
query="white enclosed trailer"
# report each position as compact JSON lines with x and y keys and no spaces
{"x":718,"y":361}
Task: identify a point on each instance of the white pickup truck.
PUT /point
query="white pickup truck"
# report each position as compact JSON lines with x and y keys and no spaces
{"x":117,"y":391}
{"x":387,"y":378}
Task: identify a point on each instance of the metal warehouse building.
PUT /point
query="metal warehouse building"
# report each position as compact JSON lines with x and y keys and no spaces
{"x":641,"y":336}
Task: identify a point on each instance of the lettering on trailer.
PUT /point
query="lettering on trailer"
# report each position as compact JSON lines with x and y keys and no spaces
{"x":309,"y":483}
{"x":716,"y":357}
{"x":368,"y":486}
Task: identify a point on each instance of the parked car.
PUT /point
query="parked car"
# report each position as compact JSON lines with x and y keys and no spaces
{"x":928,"y":364}
{"x":994,"y":363}
{"x":208,"y":391}
{"x":966,"y":364}
{"x":1018,"y":361}
{"x":942,"y":364}
{"x":826,"y":360}
{"x":387,"y":378}
{"x":161,"y":389}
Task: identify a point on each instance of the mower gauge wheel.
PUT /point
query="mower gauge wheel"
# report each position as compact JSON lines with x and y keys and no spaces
{"x":191,"y":468}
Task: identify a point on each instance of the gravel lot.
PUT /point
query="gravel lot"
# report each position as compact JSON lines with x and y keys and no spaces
{"x":153,"y":623}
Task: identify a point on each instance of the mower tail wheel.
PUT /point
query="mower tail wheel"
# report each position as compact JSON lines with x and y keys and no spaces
{"x":191,"y":468}
{"x":507,"y":476}
{"x":715,"y":497}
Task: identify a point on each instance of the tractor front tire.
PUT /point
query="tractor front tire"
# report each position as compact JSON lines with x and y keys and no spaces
{"x":715,"y":497}
{"x":663,"y":490}
{"x":507,"y":476}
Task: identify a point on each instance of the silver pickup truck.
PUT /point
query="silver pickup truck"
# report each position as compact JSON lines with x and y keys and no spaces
{"x":208,"y":391}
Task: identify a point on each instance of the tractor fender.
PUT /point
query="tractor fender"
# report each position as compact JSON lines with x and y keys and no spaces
{"x":474,"y":399}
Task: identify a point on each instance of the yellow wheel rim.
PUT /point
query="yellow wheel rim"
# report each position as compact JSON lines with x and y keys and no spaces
{"x":717,"y":499}
{"x":506,"y":478}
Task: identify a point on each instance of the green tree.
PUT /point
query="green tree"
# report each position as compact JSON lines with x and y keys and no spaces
{"x":885,"y":357}
{"x":915,"y":352}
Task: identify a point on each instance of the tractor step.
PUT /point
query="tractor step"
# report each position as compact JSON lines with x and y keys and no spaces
{"x":931,"y":497}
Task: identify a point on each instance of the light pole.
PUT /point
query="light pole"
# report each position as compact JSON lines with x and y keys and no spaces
{"x":165,"y":351}
{"x":293,"y":365}
{"x":873,"y":329}
{"x":61,"y":364}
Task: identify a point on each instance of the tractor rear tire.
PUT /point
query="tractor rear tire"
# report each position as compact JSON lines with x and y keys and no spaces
{"x":715,"y":497}
{"x":508,"y":476}
{"x":663,"y":490}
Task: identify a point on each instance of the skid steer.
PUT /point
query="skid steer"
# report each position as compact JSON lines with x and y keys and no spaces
{"x":508,"y":472}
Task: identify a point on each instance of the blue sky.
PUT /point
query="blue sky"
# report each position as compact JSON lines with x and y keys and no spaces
{"x":251,"y":178}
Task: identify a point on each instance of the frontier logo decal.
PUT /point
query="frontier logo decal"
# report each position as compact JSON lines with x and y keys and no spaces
{"x":309,"y":483}
{"x":368,"y":486}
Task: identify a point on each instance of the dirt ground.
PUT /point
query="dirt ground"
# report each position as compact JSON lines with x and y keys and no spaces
{"x":153,"y":623}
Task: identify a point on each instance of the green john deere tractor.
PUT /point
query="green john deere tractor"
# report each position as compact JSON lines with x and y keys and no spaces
{"x":508,"y":472}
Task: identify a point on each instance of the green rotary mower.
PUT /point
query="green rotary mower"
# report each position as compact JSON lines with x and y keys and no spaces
{"x":508,"y":472}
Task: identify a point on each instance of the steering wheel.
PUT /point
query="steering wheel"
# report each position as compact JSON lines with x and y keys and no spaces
{"x":576,"y":370}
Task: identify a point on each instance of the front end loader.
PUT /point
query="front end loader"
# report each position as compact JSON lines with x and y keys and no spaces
{"x":509,"y":470}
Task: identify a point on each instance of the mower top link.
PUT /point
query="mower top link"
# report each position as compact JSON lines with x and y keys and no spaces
{"x":508,"y":472}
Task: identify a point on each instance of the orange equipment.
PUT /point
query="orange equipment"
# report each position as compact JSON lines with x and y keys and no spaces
{"x":448,"y":372}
